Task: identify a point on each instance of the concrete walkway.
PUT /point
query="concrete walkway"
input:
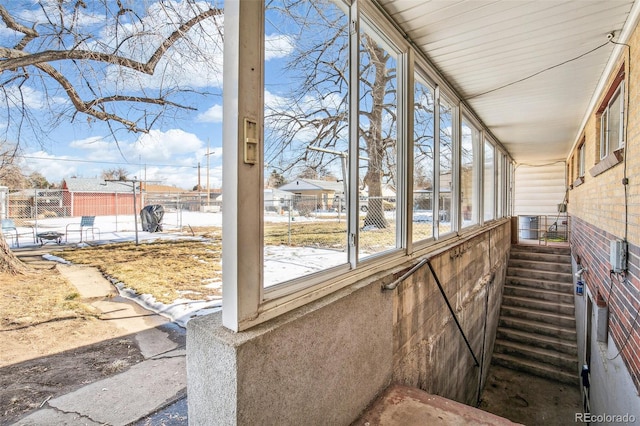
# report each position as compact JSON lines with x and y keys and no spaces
{"x":131,"y":396}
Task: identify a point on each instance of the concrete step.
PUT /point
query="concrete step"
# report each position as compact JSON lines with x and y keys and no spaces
{"x":568,"y":333}
{"x":539,"y":305}
{"x":540,"y":249}
{"x":539,"y":341}
{"x":541,"y":257}
{"x":560,"y":286}
{"x":537,"y":265}
{"x":540,"y":275}
{"x":536,"y":368}
{"x":560,"y":320}
{"x":557,"y":360}
{"x":539,"y":294}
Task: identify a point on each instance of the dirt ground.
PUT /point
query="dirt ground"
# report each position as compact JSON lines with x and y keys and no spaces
{"x":530,"y":400}
{"x":52,"y":342}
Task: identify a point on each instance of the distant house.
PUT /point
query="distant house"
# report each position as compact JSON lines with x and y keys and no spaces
{"x":325,"y":192}
{"x":276,"y":199}
{"x":97,"y":197}
{"x":171,"y":197}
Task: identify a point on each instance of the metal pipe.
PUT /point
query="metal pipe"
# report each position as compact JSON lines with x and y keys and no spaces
{"x":406,"y":275}
{"x":412,"y":271}
{"x":452,"y":312}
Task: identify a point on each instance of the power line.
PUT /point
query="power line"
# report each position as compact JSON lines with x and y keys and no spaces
{"x":105,"y":162}
{"x":539,"y":72}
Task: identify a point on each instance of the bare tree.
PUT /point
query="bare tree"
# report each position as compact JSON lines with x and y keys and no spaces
{"x":119,"y":173}
{"x":101,"y":61}
{"x":315,"y":113}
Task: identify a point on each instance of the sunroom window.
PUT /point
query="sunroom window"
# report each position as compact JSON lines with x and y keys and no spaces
{"x":306,"y":139}
{"x":424,"y":159}
{"x":378,"y":145}
{"x":445,"y":168}
{"x":501,"y":185}
{"x":489,"y":181}
{"x":469,"y":156}
{"x":321,"y":203}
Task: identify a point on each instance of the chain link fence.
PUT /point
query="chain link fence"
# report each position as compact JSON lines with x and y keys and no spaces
{"x":319,"y":221}
{"x":41,"y":207}
{"x":544,"y":229}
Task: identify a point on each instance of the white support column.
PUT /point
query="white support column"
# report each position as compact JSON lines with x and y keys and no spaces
{"x":242,"y":187}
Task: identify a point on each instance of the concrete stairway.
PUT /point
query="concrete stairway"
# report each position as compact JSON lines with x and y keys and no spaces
{"x":537,"y":329}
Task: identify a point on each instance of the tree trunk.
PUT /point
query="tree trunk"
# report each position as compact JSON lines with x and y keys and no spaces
{"x":9,"y":263}
{"x":375,"y":145}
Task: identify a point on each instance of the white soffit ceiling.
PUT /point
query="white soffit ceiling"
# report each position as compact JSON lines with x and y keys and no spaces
{"x":480,"y":46}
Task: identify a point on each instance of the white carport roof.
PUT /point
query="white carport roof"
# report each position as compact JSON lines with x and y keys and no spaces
{"x":529,"y":69}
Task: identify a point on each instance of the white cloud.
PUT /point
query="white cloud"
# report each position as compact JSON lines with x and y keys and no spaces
{"x":92,"y":143}
{"x":277,"y":46}
{"x":212,"y":115}
{"x":166,"y":146}
{"x":169,"y":157}
{"x":53,"y":168}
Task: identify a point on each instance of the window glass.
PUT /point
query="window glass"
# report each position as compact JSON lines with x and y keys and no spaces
{"x":423,"y":163}
{"x":378,"y":165}
{"x":501,"y":185}
{"x":581,"y":161}
{"x":611,"y":125}
{"x":469,"y":154}
{"x":489,"y":181}
{"x":445,"y":189}
{"x":306,"y":138}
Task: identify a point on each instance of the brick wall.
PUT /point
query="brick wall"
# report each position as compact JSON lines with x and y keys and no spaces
{"x":603,"y":210}
{"x":621,"y":292}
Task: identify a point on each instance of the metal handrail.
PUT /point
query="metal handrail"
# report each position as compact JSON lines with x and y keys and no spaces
{"x":413,"y":270}
{"x":406,"y":275}
{"x":446,"y":299}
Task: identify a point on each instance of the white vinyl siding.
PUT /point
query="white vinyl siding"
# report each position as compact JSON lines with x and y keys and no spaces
{"x":539,"y":189}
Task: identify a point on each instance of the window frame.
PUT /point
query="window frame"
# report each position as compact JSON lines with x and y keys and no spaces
{"x":490,"y":142}
{"x":421,"y":76}
{"x":476,"y":171}
{"x":246,"y":301}
{"x":581,"y":160}
{"x":617,"y":96}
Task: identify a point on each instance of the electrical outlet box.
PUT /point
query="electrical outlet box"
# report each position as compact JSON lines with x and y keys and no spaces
{"x":618,"y":256}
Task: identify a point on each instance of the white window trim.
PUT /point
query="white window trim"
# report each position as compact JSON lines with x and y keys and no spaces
{"x":605,"y":143}
{"x":246,"y":303}
{"x":489,"y":141}
{"x":477,"y":167}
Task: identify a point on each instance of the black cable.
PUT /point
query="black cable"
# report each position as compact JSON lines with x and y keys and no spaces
{"x":541,"y":71}
{"x":629,"y":331}
{"x":626,"y":141}
{"x":105,"y":162}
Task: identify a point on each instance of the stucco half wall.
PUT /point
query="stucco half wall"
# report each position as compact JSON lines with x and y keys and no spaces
{"x":324,"y":363}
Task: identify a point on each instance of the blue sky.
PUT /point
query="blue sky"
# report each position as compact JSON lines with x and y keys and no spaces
{"x":170,"y":153}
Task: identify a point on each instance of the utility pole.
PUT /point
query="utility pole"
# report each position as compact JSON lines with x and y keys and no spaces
{"x":208,"y":154}
{"x":208,"y":161}
{"x":133,"y":183}
{"x":199,"y":187}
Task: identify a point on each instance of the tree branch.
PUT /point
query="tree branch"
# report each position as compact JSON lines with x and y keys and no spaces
{"x":18,"y":58}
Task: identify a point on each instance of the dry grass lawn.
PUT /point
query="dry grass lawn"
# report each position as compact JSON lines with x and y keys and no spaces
{"x":52,"y":342}
{"x":34,"y":306}
{"x":168,"y":270}
{"x":185,"y":269}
